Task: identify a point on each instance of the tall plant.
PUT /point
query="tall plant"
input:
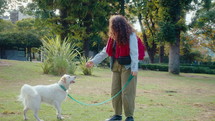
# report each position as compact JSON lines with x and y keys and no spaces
{"x":58,"y":56}
{"x":85,"y":70}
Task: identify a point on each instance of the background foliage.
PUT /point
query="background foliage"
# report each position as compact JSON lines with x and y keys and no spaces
{"x":85,"y":22}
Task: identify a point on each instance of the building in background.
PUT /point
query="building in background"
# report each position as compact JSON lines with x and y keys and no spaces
{"x":16,"y":15}
{"x":12,"y":13}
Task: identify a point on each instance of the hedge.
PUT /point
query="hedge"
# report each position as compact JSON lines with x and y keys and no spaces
{"x":209,"y":66}
{"x":185,"y":69}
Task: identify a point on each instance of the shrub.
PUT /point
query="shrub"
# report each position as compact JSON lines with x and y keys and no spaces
{"x":59,"y":65}
{"x":59,"y":56}
{"x":185,"y":69}
{"x":193,"y":69}
{"x":85,"y":70}
{"x":46,"y":67}
{"x":72,"y":68}
{"x":209,"y":66}
{"x":157,"y":67}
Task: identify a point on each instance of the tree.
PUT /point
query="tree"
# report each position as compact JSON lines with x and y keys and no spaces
{"x":23,"y":34}
{"x":3,"y":5}
{"x":122,"y":7}
{"x":203,"y":25}
{"x":172,"y":14}
{"x":147,"y":12}
{"x":94,"y":21}
{"x":81,"y":20}
{"x":6,"y":26}
{"x":19,"y":39}
{"x":30,"y":25}
{"x":189,"y":49}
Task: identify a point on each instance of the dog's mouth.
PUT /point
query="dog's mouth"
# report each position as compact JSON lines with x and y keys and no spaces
{"x":72,"y":81}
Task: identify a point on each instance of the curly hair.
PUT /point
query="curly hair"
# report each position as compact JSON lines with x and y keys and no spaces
{"x":120,"y":29}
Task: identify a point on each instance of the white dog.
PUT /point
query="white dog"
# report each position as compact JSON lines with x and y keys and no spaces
{"x":53,"y":94}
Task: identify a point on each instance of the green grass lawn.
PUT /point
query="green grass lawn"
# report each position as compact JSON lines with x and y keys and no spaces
{"x":160,"y":96}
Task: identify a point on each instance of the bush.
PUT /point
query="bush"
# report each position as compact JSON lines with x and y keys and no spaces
{"x":46,"y":67}
{"x":72,"y":68}
{"x":193,"y":69}
{"x":59,"y":56}
{"x":59,"y":66}
{"x":185,"y":69}
{"x":85,"y":70}
{"x":157,"y":67}
{"x":208,"y":66}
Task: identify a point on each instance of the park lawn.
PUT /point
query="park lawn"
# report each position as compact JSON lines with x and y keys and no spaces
{"x":160,"y":96}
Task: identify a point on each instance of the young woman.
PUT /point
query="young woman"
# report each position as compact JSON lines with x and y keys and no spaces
{"x":122,"y":47}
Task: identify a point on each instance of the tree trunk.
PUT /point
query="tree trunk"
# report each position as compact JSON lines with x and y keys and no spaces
{"x":86,"y":47}
{"x":63,"y":16}
{"x":87,"y":23}
{"x":29,"y":54}
{"x":1,"y":53}
{"x":161,"y":54}
{"x":174,"y":55}
{"x":150,"y":50}
{"x":33,"y":55}
{"x":122,"y":7}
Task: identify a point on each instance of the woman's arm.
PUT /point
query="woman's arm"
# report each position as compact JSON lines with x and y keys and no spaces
{"x":133,"y":44}
{"x":98,"y":58}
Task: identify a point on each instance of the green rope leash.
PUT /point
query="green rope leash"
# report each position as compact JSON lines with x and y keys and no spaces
{"x":96,"y":104}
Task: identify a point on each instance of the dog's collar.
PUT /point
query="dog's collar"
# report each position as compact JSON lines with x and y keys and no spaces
{"x":62,"y":87}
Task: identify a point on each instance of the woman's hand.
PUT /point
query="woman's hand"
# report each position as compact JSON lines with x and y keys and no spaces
{"x":89,"y":64}
{"x":134,"y":73}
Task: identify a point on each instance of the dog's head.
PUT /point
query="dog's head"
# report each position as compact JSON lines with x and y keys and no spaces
{"x":67,"y":79}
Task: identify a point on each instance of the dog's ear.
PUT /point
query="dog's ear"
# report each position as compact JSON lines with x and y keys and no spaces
{"x":63,"y":79}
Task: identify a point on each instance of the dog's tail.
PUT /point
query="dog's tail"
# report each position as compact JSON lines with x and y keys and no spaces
{"x":26,"y":91}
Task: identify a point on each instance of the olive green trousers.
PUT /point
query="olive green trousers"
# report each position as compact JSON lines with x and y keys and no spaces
{"x":127,"y":98}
